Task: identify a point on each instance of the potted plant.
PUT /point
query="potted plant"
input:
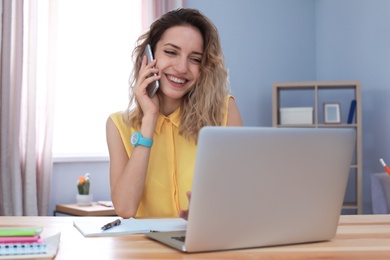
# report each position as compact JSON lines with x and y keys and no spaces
{"x":84,"y":198}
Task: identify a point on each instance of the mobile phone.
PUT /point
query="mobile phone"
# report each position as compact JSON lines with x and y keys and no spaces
{"x":152,"y":87}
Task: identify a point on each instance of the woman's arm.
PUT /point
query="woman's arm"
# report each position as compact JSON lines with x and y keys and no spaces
{"x":127,"y":175}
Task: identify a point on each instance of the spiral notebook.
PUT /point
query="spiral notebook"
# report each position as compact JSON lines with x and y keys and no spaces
{"x":23,"y":248}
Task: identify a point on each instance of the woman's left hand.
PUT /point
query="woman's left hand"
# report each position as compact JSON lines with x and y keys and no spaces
{"x":184,"y":213}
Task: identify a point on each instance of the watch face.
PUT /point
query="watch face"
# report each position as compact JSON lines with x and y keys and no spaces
{"x":134,"y":138}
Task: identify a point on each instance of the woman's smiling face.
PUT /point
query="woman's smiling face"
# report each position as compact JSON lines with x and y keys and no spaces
{"x":179,"y":55}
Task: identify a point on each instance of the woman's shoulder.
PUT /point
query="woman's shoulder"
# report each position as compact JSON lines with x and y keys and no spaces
{"x":118,"y":115}
{"x":119,"y":119}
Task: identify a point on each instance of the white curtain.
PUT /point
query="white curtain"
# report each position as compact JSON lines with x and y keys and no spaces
{"x":153,"y":9}
{"x":26,"y":106}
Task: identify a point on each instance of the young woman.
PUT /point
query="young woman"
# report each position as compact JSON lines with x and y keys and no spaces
{"x":151,"y":176}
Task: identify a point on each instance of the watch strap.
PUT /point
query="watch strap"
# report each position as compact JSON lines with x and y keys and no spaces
{"x":141,"y":140}
{"x":145,"y":141}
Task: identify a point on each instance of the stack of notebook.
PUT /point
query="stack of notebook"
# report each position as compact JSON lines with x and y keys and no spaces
{"x":23,"y":241}
{"x":20,"y":241}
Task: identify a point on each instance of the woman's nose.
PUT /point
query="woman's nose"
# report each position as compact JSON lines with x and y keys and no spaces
{"x":181,"y":65}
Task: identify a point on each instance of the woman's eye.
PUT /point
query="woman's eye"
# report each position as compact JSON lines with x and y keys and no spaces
{"x":170,"y":52}
{"x":196,"y":60}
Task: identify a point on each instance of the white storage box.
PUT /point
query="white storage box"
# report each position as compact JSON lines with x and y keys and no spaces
{"x":296,"y":115}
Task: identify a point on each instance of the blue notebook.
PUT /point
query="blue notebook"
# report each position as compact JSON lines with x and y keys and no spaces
{"x":23,"y":248}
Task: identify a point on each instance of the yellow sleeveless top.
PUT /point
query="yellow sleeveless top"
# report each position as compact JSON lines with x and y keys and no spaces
{"x":171,"y":166}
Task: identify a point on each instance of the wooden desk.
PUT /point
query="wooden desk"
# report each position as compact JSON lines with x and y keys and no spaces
{"x":358,"y":237}
{"x":90,"y":211}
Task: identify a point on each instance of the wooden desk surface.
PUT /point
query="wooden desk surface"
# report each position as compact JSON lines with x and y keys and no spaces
{"x":93,"y":210}
{"x":358,"y":237}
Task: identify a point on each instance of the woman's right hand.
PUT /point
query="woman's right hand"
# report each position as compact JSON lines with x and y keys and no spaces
{"x":128,"y":175}
{"x":147,"y":104}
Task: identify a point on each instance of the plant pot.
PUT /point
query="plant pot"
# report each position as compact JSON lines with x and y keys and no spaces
{"x":84,"y":200}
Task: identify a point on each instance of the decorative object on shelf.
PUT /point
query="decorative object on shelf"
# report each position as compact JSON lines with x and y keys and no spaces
{"x":296,"y":115}
{"x":84,"y":198}
{"x":332,"y":113}
{"x":352,"y":109}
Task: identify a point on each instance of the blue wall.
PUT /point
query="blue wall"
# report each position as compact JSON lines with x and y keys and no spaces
{"x":66,"y":174}
{"x":268,"y":41}
{"x":263,"y":42}
{"x":353,"y":43}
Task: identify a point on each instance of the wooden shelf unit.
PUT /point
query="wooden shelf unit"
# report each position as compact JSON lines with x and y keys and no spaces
{"x":314,"y":94}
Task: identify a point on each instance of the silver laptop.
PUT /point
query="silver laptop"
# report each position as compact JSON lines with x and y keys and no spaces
{"x":256,"y":187}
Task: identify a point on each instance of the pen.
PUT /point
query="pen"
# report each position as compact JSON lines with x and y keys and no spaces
{"x":111,"y":224}
{"x":385,"y":166}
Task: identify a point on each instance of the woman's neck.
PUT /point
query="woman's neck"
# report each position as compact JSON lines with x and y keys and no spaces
{"x":168,"y":106}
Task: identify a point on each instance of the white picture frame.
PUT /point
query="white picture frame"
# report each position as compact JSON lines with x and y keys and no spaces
{"x":332,"y":113}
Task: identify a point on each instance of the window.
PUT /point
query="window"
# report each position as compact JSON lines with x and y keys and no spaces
{"x":95,"y":39}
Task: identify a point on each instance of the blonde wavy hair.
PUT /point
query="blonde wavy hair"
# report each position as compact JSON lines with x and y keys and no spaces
{"x":205,"y":103}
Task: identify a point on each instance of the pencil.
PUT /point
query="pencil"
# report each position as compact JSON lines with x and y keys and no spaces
{"x":385,"y":166}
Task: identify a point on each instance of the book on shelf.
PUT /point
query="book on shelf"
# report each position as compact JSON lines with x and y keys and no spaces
{"x":352,"y":111}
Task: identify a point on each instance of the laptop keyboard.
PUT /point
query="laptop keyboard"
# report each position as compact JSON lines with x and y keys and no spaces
{"x":180,"y":238}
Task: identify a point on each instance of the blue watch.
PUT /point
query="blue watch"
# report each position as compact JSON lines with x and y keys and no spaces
{"x":137,"y":139}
